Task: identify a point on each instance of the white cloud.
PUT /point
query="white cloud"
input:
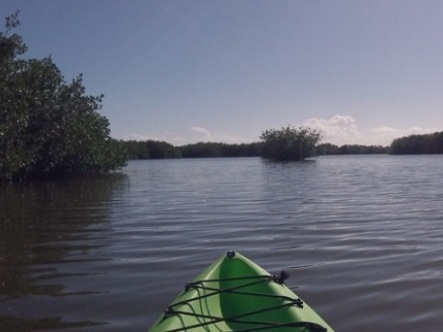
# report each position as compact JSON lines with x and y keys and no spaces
{"x":193,"y":135}
{"x":339,"y":129}
{"x":343,"y":129}
{"x":166,"y":137}
{"x":388,"y":134}
{"x":204,"y":135}
{"x":138,"y":137}
{"x":202,"y":131}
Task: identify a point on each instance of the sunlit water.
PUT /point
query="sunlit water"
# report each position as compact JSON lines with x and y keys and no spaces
{"x":361,"y":236}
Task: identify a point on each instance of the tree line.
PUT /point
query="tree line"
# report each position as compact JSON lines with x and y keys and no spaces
{"x":348,"y":149}
{"x":418,"y":144}
{"x":152,"y":149}
{"x":286,"y":143}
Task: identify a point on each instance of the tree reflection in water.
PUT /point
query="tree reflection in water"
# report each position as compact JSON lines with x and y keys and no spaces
{"x":47,"y":227}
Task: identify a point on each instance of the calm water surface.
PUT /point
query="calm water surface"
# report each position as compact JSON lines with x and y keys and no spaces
{"x":361,"y":236}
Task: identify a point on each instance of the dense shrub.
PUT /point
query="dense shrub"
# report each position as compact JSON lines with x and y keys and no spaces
{"x":150,"y":149}
{"x":289,"y":143}
{"x":418,"y":144}
{"x":48,"y":126}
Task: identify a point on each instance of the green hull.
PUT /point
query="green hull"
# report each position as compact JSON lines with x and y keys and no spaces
{"x":235,"y":294}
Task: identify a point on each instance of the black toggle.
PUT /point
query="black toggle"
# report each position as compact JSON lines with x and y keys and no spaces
{"x":230,"y":254}
{"x":280,"y":279}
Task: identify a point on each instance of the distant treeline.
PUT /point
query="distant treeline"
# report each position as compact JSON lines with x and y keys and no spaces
{"x":418,"y":144}
{"x":332,"y":149}
{"x":414,"y":144}
{"x":199,"y":150}
{"x":162,"y":150}
{"x":150,"y":150}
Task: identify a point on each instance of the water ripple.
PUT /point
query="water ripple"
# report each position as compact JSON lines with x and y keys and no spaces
{"x":361,"y":237}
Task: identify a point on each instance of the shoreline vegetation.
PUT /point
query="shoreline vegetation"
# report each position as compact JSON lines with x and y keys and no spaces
{"x":152,"y":149}
{"x":50,"y":128}
{"x":287,"y":143}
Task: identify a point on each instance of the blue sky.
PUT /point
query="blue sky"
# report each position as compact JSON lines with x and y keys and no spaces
{"x":363,"y":72}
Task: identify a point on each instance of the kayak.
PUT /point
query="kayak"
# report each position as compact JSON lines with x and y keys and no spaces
{"x":235,"y":294}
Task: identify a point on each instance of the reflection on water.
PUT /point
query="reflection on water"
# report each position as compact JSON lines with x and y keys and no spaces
{"x":12,"y":323}
{"x":45,"y":227}
{"x":360,"y":235}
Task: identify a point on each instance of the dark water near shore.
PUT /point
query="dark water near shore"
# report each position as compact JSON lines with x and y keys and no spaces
{"x":361,"y":236}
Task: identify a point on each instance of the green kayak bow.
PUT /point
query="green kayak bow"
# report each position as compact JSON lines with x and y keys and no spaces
{"x":235,"y":294}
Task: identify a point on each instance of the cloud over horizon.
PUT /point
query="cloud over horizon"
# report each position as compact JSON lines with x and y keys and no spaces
{"x":339,"y":130}
{"x":343,"y":129}
{"x":204,"y":135}
{"x":200,"y":130}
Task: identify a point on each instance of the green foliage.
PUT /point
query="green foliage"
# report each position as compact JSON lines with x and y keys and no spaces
{"x":11,"y":46}
{"x":48,"y":126}
{"x":289,"y":143}
{"x":207,"y":150}
{"x":328,"y":149}
{"x":161,"y":150}
{"x":150,"y":150}
{"x":202,"y":150}
{"x":331,"y":149}
{"x":418,"y":144}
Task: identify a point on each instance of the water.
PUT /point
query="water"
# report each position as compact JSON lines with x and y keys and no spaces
{"x":361,"y":237}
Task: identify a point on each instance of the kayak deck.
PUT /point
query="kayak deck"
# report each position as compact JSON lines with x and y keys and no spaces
{"x":235,"y":294}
